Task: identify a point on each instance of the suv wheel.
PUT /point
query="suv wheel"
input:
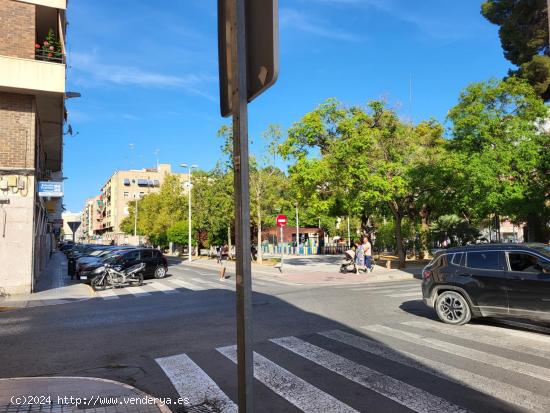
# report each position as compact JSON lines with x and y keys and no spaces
{"x":160,"y":272}
{"x":452,"y":308}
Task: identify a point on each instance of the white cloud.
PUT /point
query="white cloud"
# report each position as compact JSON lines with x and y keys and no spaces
{"x":133,"y":76}
{"x":299,"y":21}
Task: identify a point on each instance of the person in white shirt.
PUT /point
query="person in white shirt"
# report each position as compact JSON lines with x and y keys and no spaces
{"x":367,"y":252}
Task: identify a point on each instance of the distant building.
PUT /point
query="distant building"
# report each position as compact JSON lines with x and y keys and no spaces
{"x":109,"y":209}
{"x":32,"y":116}
{"x":67,"y":231}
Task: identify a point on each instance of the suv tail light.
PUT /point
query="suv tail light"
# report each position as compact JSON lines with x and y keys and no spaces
{"x":426,"y":274}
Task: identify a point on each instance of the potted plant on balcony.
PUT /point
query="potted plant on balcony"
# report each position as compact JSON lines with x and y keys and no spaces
{"x":50,"y":49}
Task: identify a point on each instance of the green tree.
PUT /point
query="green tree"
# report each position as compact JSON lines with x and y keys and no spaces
{"x":524,"y":37}
{"x":498,"y":160}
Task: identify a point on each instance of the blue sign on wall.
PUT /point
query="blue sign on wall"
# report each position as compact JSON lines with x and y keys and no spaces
{"x":50,"y":189}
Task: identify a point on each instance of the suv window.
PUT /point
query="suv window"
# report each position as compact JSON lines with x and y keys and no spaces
{"x":131,"y":256}
{"x":146,"y":254}
{"x":457,"y":258}
{"x":156,"y":254}
{"x":439,"y":262}
{"x":484,"y":260}
{"x":524,"y":262}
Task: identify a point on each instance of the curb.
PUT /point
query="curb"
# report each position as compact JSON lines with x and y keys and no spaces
{"x":162,"y":408}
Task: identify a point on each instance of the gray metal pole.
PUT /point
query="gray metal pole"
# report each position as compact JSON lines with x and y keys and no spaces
{"x":349,"y":236}
{"x":297,"y":231}
{"x":245,"y":371}
{"x":282,"y":248}
{"x":135,"y":218}
{"x":189,"y":191}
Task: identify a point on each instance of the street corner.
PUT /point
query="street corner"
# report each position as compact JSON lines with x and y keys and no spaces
{"x":73,"y":394}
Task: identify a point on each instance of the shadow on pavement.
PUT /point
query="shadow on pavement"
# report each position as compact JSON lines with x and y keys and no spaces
{"x":120,"y":340}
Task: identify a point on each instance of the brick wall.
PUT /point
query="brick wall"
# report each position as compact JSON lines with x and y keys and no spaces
{"x":17,"y":33}
{"x":17,"y":131}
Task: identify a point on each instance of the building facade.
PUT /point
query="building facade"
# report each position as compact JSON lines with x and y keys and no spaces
{"x":32,"y":116}
{"x":124,"y":187}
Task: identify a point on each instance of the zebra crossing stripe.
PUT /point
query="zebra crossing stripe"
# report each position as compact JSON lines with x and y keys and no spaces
{"x":466,"y":333}
{"x":108,"y":294}
{"x":187,"y":285}
{"x":211,"y":284}
{"x":494,"y":388}
{"x":300,"y":393}
{"x":409,"y":396}
{"x":191,"y":382}
{"x":538,"y":372}
{"x":389,"y":290}
{"x":405,"y":295}
{"x":518,"y":333}
{"x":138,"y":291}
{"x":163,"y":288}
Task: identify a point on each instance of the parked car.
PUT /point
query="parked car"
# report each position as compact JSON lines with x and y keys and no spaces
{"x":97,"y":255}
{"x":155,"y":263}
{"x":490,"y":280}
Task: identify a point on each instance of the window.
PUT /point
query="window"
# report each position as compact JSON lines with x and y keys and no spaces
{"x":146,"y":254}
{"x":126,"y":181}
{"x":131,"y":256}
{"x":143,"y":182}
{"x":457,"y":258}
{"x":489,"y":260}
{"x":524,"y":262}
{"x":126,"y":195}
{"x":141,"y":194}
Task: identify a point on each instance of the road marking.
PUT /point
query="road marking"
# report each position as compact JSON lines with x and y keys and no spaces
{"x":300,"y":393}
{"x":405,"y":295}
{"x":466,"y":333}
{"x":186,"y":284}
{"x":414,"y":398}
{"x":138,"y":291}
{"x":538,"y":372}
{"x":378,"y":286}
{"x":526,"y":335}
{"x":163,"y":288}
{"x":211,"y":283}
{"x":528,"y":326}
{"x":389,"y":290}
{"x":108,"y":294}
{"x":509,"y":393}
{"x":191,"y":382}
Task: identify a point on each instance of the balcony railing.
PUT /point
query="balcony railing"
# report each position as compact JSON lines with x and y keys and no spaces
{"x":49,"y":56}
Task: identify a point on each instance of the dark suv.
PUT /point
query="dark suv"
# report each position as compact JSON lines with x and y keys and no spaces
{"x":155,"y":263}
{"x":503,"y":280}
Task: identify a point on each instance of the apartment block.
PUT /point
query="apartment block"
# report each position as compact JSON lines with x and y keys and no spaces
{"x":121,"y":189}
{"x":32,"y":116}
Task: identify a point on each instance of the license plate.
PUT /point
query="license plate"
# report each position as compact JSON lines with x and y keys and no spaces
{"x":83,"y":277}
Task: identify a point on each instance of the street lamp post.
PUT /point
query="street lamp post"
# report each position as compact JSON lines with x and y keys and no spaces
{"x":189,"y":186}
{"x":136,"y":196}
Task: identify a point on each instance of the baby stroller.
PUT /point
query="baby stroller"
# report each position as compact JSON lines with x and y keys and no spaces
{"x":348,"y":263}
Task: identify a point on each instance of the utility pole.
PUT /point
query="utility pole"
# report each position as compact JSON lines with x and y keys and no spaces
{"x":349,"y":236}
{"x":136,"y":196}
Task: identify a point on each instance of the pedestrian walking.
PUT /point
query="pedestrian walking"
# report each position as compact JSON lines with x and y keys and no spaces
{"x":223,"y":260}
{"x":367,"y":252}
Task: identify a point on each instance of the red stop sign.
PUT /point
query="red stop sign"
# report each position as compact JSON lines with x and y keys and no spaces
{"x":281,"y":220}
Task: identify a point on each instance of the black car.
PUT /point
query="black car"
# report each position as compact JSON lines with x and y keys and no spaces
{"x":155,"y":263}
{"x":490,"y":280}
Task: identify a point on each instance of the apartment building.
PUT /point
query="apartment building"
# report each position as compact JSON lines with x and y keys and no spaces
{"x":122,"y":188}
{"x":32,"y":116}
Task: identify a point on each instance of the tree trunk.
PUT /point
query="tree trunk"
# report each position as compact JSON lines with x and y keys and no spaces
{"x":259,"y":253}
{"x":424,"y":231}
{"x":398,"y":235}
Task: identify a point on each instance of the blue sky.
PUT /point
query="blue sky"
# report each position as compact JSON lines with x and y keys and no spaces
{"x":148,"y":73}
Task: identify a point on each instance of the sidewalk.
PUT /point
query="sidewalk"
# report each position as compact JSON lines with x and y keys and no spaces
{"x":318,"y":270}
{"x":75,"y":394}
{"x":54,"y":287}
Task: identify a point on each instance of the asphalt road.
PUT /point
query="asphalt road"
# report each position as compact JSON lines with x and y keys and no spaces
{"x":373,"y":348}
